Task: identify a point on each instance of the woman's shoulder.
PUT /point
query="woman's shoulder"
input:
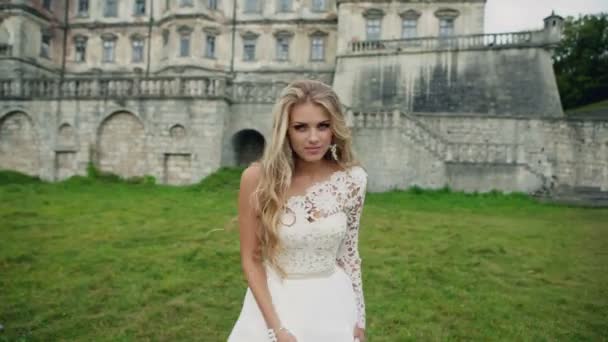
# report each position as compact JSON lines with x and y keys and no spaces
{"x":357,"y":173}
{"x":251,"y":175}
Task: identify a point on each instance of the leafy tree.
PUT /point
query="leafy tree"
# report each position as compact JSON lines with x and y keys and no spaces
{"x":581,"y":60}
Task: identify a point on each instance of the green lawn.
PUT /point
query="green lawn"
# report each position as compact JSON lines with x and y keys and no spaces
{"x":600,"y":107}
{"x":100,"y":260}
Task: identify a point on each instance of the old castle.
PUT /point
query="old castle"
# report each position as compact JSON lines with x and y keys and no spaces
{"x":178,"y":88}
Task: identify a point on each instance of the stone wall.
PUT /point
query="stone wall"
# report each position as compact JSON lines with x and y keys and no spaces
{"x":178,"y":141}
{"x":515,"y":79}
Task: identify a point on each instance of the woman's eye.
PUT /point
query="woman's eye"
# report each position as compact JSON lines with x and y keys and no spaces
{"x":300,"y":127}
{"x":324,"y":126}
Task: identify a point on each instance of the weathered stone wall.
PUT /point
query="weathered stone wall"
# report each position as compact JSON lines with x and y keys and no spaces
{"x":510,"y":81}
{"x":178,"y":141}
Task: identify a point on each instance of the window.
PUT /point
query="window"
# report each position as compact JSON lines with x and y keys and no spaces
{"x":210,"y":46}
{"x":251,"y":6}
{"x":212,"y":4}
{"x":318,"y":5}
{"x":109,"y":45}
{"x":165,"y":38}
{"x":284,"y":5}
{"x":80,"y":49}
{"x":46,"y":4}
{"x":184,"y":3}
{"x":140,"y":7}
{"x":282,"y":48}
{"x":137,"y":45}
{"x":373,"y":23}
{"x":317,"y":48}
{"x":373,"y":28}
{"x":409,"y":28}
{"x":184,"y":44}
{"x":45,"y":45}
{"x":167,"y":5}
{"x":111,"y":8}
{"x":446,"y":27}
{"x":249,"y":49}
{"x":83,"y":7}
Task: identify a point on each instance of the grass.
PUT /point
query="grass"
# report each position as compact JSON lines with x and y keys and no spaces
{"x":98,"y":259}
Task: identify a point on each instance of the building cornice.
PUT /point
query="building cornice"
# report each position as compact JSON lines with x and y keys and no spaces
{"x":297,"y":21}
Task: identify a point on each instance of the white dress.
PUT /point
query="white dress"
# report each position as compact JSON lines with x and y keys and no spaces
{"x":321,"y":299}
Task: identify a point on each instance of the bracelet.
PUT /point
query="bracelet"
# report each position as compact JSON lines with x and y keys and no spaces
{"x":272,"y":336}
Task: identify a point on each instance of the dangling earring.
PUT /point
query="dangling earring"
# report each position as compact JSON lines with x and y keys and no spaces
{"x":333,"y":148}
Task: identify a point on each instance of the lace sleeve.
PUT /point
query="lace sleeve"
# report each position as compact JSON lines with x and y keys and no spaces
{"x":348,"y":254}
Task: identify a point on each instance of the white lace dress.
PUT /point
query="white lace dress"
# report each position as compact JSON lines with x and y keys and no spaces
{"x":321,"y":299}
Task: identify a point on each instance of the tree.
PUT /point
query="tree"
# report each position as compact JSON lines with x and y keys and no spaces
{"x":581,"y":60}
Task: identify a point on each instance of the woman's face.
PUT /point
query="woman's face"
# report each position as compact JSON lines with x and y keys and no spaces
{"x":309,"y":131}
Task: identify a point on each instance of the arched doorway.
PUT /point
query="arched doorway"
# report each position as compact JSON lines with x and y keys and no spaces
{"x":248,"y":146}
{"x":19,"y":146}
{"x":121,"y":145}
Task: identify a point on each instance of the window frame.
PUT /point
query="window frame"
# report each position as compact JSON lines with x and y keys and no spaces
{"x":83,"y":8}
{"x":45,"y":44}
{"x":321,"y":37}
{"x":107,"y":13}
{"x":105,"y":44}
{"x":137,"y":5}
{"x":80,"y":42}
{"x":315,"y":8}
{"x":138,"y":43}
{"x":373,"y":15}
{"x":209,"y":37}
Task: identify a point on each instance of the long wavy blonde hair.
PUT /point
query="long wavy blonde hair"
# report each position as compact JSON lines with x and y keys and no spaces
{"x":277,"y":162}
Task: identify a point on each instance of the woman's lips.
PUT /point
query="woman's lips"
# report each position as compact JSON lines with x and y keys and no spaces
{"x":313,"y":150}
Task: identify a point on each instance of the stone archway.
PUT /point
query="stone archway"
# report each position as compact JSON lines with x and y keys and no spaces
{"x":19,"y":145}
{"x":248,"y":146}
{"x":121,"y":145}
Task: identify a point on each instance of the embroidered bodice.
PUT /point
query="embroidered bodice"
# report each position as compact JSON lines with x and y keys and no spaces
{"x":320,"y":230}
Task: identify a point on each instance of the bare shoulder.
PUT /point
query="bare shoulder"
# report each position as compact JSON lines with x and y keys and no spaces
{"x":251,"y":176}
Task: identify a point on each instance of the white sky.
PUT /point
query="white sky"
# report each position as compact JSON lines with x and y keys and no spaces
{"x":519,"y":15}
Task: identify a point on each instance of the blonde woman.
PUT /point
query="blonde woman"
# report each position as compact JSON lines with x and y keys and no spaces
{"x":299,"y":212}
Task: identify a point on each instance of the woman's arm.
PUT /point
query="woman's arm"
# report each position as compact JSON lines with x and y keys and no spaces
{"x":348,"y":254}
{"x":251,"y":262}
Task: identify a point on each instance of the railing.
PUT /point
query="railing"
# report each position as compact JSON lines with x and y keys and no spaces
{"x":255,"y":92}
{"x":197,"y":87}
{"x":463,"y":42}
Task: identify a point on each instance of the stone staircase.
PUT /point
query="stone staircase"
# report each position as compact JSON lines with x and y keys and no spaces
{"x":435,"y":144}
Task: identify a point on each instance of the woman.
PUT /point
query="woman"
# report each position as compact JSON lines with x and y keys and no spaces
{"x":299,"y":212}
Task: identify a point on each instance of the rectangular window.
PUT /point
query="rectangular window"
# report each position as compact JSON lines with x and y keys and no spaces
{"x":317,"y":48}
{"x":111,"y":8}
{"x":212,"y":4}
{"x":210,"y":46}
{"x":373,"y":29}
{"x":283,"y":48}
{"x":284,"y":6}
{"x":409,"y":28}
{"x":446,"y":27}
{"x":184,"y":3}
{"x":138,"y":50}
{"x":81,"y":50}
{"x":108,"y":51}
{"x":46,"y":4}
{"x":251,"y":6}
{"x":318,"y":5}
{"x":184,"y":45}
{"x":83,"y":7}
{"x":45,"y":46}
{"x":249,"y":50}
{"x":140,"y":7}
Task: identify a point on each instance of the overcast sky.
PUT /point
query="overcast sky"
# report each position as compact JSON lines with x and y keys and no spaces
{"x":518,"y":15}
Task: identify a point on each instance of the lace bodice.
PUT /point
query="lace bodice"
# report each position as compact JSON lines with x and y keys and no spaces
{"x":320,"y":230}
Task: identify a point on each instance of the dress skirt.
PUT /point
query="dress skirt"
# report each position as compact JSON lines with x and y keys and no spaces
{"x":315,"y":309}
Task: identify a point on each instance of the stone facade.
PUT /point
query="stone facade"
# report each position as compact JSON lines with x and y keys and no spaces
{"x":178,"y":88}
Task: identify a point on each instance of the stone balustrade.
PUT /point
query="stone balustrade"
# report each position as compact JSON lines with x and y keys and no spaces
{"x":461,"y":42}
{"x":83,"y":88}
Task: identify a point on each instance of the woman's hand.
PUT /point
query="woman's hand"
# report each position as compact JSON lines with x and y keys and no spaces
{"x":285,"y":336}
{"x":359,"y":334}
